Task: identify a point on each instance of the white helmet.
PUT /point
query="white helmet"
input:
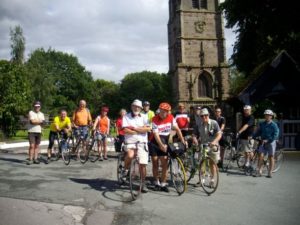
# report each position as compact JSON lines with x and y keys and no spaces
{"x":137,"y":103}
{"x":247,"y":107}
{"x":268,"y":112}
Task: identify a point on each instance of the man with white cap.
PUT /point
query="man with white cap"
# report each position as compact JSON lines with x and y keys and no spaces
{"x":136,"y":126}
{"x":36,"y":119}
{"x":207,"y":131}
{"x":245,"y":134}
{"x":269,"y":132}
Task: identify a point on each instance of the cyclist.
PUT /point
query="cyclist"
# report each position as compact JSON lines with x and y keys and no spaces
{"x":81,"y":119}
{"x":245,"y":134}
{"x":36,"y":120}
{"x":182,"y":119}
{"x":136,"y":127}
{"x":162,"y":125}
{"x":120,"y":131}
{"x":146,"y":111}
{"x":269,"y":132}
{"x":61,"y":123}
{"x":208,"y":131}
{"x":101,"y":128}
{"x":222,"y":122}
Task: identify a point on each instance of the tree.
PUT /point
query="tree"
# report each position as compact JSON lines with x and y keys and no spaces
{"x":264,"y":28}
{"x":145,"y":85}
{"x":15,"y":95}
{"x":17,"y":44}
{"x":59,"y":80}
{"x":106,"y":93}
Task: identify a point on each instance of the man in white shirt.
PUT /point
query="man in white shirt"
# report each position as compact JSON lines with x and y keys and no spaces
{"x":136,"y":126}
{"x":36,"y":119}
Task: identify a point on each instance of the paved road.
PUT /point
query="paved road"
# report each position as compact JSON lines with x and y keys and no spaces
{"x":88,"y":194}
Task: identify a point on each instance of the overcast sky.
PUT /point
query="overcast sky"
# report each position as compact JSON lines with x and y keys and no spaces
{"x":111,"y":38}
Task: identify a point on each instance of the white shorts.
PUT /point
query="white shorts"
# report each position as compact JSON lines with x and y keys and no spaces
{"x":247,"y":145}
{"x":142,"y":151}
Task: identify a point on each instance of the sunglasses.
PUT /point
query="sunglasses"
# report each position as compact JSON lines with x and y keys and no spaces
{"x":203,"y":115}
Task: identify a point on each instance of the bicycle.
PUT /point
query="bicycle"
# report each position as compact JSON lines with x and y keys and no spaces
{"x":177,"y":171}
{"x":75,"y":147}
{"x":197,"y":159}
{"x":93,"y":154}
{"x":232,"y":153}
{"x":60,"y":142}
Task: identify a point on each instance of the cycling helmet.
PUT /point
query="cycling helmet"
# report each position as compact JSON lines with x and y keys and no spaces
{"x":165,"y":106}
{"x":247,"y":107}
{"x":104,"y":109}
{"x":146,"y":103}
{"x":137,"y":103}
{"x":268,"y":112}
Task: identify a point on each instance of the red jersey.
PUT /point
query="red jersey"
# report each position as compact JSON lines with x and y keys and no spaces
{"x":182,"y":120}
{"x":119,"y":126}
{"x":163,"y":126}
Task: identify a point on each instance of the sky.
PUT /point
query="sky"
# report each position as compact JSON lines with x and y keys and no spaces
{"x":110,"y":38}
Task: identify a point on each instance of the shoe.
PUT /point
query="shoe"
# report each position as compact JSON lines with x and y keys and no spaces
{"x":164,"y":188}
{"x":29,"y":162}
{"x":105,"y":158}
{"x":100,"y":158}
{"x":36,"y":161}
{"x":269,"y":176}
{"x":257,"y":174}
{"x":144,"y":189}
{"x":156,"y":187}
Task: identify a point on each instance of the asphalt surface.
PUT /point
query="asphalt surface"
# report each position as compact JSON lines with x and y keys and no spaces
{"x":89,"y":194}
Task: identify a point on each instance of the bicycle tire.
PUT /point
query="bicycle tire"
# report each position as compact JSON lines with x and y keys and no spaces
{"x":240,"y":161}
{"x":56,"y":149}
{"x":82,"y":152}
{"x":66,"y":155}
{"x":208,"y":183}
{"x":135,"y":180}
{"x":178,"y":176}
{"x":278,"y":160}
{"x":188,"y":163}
{"x":93,"y":154}
{"x":120,"y":168}
{"x":228,"y":156}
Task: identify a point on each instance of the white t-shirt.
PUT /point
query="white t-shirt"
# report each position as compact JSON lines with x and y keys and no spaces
{"x":33,"y":116}
{"x":135,"y":121}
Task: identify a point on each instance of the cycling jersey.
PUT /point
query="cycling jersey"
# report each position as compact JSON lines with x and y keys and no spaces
{"x":162,"y":126}
{"x":103,"y":124}
{"x":182,"y":119}
{"x":60,"y":123}
{"x":82,"y":117}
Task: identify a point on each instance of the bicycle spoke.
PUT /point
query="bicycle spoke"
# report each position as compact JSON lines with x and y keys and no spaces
{"x":209,"y":175}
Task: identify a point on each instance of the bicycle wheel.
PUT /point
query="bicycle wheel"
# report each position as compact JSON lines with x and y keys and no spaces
{"x":82,"y":152}
{"x":178,"y":176}
{"x":209,"y":175}
{"x":66,"y":155}
{"x":278,"y":160}
{"x":120,"y":168}
{"x":135,"y":181}
{"x":56,"y":150}
{"x":241,"y":161}
{"x":188,"y":163}
{"x":93,"y":151}
{"x":228,"y":155}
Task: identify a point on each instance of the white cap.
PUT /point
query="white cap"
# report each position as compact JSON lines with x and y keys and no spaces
{"x":268,"y":112}
{"x":204,"y":111}
{"x":247,"y":107}
{"x":137,"y":103}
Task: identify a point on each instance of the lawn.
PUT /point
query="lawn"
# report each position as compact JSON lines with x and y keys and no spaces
{"x":22,"y":135}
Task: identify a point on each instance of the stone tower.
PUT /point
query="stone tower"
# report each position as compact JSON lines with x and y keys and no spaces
{"x":197,"y":61}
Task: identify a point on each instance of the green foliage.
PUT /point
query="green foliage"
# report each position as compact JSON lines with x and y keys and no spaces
{"x":17,"y":44}
{"x":237,"y":81}
{"x":58,"y":80}
{"x":146,"y":86}
{"x":14,"y":96}
{"x":106,"y":93}
{"x":263,"y":28}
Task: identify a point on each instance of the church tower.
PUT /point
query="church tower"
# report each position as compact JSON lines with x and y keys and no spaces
{"x":197,"y":62}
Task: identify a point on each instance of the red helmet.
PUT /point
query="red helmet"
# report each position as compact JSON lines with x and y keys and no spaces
{"x":104,"y":109}
{"x":165,"y":106}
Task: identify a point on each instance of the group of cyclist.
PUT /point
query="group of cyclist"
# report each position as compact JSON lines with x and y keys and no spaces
{"x":147,"y":134}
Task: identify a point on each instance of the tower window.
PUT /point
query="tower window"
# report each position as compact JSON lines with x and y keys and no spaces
{"x":205,"y":86}
{"x":199,"y":4}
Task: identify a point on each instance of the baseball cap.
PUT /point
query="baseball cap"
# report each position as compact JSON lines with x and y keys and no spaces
{"x":247,"y":107}
{"x":137,"y":103}
{"x":146,"y":103}
{"x":268,"y":112}
{"x":37,"y":104}
{"x":204,"y":111}
{"x":105,"y":109}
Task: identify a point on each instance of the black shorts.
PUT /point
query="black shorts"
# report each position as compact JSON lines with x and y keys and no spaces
{"x":155,"y":150}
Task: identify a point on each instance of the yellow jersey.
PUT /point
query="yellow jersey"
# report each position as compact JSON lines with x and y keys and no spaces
{"x":61,"y":124}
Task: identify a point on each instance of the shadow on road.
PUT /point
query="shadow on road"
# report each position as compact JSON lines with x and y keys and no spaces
{"x":13,"y":160}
